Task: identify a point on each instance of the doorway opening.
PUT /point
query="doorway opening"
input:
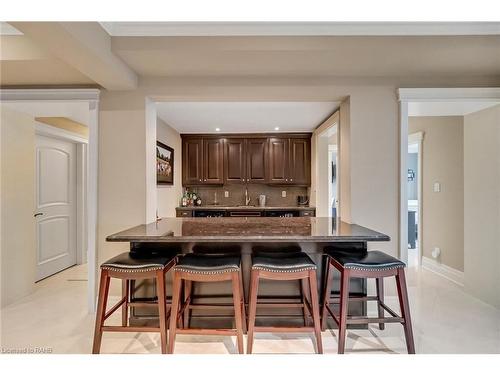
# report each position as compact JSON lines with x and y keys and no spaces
{"x":414,"y":198}
{"x":444,"y":154}
{"x":61,"y":129}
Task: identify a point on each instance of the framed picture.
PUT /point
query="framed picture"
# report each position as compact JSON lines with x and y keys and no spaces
{"x":164,"y":164}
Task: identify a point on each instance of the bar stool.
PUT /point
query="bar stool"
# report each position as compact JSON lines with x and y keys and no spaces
{"x":127,"y":267}
{"x":371,"y":264}
{"x":282,"y":267}
{"x":207,"y":268}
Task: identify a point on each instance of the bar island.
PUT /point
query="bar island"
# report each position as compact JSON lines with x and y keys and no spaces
{"x":245,"y":235}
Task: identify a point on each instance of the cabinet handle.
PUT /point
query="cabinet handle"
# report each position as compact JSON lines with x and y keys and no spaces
{"x":200,"y":179}
{"x":291,"y":179}
{"x":286,"y":179}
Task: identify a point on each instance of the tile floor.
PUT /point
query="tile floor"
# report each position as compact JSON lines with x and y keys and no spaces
{"x":445,"y":320}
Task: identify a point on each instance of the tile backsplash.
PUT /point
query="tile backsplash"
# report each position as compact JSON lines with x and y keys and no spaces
{"x":237,"y":194}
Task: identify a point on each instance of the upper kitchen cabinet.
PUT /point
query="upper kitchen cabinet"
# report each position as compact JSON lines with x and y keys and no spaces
{"x":235,"y":160}
{"x":290,"y":161}
{"x":282,"y":159}
{"x":202,"y":161}
{"x":213,"y":161}
{"x":299,"y":161}
{"x":257,"y":160}
{"x":192,"y":156}
{"x":245,"y":160}
{"x":278,"y":160}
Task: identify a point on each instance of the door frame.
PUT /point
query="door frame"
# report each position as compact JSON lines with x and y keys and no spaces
{"x":320,"y":131}
{"x":91,"y":97}
{"x":81,"y":179}
{"x":419,"y":95}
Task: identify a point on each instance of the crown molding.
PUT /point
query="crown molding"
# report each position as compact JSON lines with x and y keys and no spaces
{"x":49,"y":94}
{"x":299,"y":28}
{"x":479,"y":94}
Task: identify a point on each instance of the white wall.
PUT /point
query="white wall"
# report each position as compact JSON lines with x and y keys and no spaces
{"x":482,"y":204}
{"x":168,"y":196}
{"x":17,"y":181}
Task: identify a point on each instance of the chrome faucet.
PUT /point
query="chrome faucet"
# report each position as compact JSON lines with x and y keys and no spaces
{"x":247,"y":198}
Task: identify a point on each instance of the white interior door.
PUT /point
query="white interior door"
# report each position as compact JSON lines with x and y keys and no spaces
{"x":55,"y":205}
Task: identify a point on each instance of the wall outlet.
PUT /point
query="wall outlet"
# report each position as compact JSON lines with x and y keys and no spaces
{"x":436,"y":252}
{"x":226,"y":194}
{"x":283,"y":194}
{"x":437,"y":187}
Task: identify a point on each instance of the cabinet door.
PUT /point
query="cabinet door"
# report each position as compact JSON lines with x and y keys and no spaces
{"x":234,"y":161}
{"x":192,"y":171}
{"x":257,"y":157}
{"x":278,"y":160}
{"x":213,"y":161}
{"x":299,"y":162}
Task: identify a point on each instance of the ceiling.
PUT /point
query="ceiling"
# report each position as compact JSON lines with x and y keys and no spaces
{"x":23,"y":62}
{"x":244,"y":117}
{"x":447,"y":108}
{"x":76,"y":111}
{"x":119,"y":56}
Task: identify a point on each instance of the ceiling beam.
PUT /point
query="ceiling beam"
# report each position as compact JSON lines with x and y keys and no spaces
{"x":86,"y":46}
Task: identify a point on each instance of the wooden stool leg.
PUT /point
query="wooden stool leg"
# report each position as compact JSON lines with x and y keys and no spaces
{"x":101,"y":311}
{"x":254,"y":286}
{"x":125,"y":294}
{"x":315,"y":308}
{"x":380,"y":297}
{"x":303,"y":293}
{"x":174,"y":312}
{"x":188,"y":287}
{"x":237,"y":311}
{"x":162,"y":309}
{"x":405,"y":309}
{"x":326,"y":294}
{"x":243,"y":307}
{"x":344,"y":306}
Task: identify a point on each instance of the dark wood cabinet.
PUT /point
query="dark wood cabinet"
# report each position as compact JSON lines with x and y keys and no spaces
{"x":283,"y":159}
{"x":278,"y":160}
{"x":234,"y":160}
{"x":192,"y":168}
{"x":257,"y":160}
{"x":290,"y":161}
{"x":213,"y":161}
{"x":299,"y":169}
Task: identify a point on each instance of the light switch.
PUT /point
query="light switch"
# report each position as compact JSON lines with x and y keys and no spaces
{"x":437,"y":187}
{"x":226,"y":194}
{"x":283,"y":194}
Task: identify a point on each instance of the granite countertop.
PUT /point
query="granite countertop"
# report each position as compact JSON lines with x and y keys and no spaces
{"x":240,"y":208}
{"x":255,"y":229}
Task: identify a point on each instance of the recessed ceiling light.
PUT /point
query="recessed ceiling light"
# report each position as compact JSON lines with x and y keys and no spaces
{"x":277,"y":128}
{"x":217,"y":129}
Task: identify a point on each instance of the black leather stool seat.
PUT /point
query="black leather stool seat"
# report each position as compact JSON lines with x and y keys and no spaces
{"x":282,"y":262}
{"x":130,"y":262}
{"x":208,"y":263}
{"x":368,"y":261}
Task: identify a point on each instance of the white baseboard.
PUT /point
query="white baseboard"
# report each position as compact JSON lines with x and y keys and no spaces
{"x":447,"y":272}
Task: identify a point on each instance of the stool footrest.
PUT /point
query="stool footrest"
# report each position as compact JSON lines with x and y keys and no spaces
{"x":282,"y":329}
{"x":130,"y":329}
{"x":206,"y":331}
